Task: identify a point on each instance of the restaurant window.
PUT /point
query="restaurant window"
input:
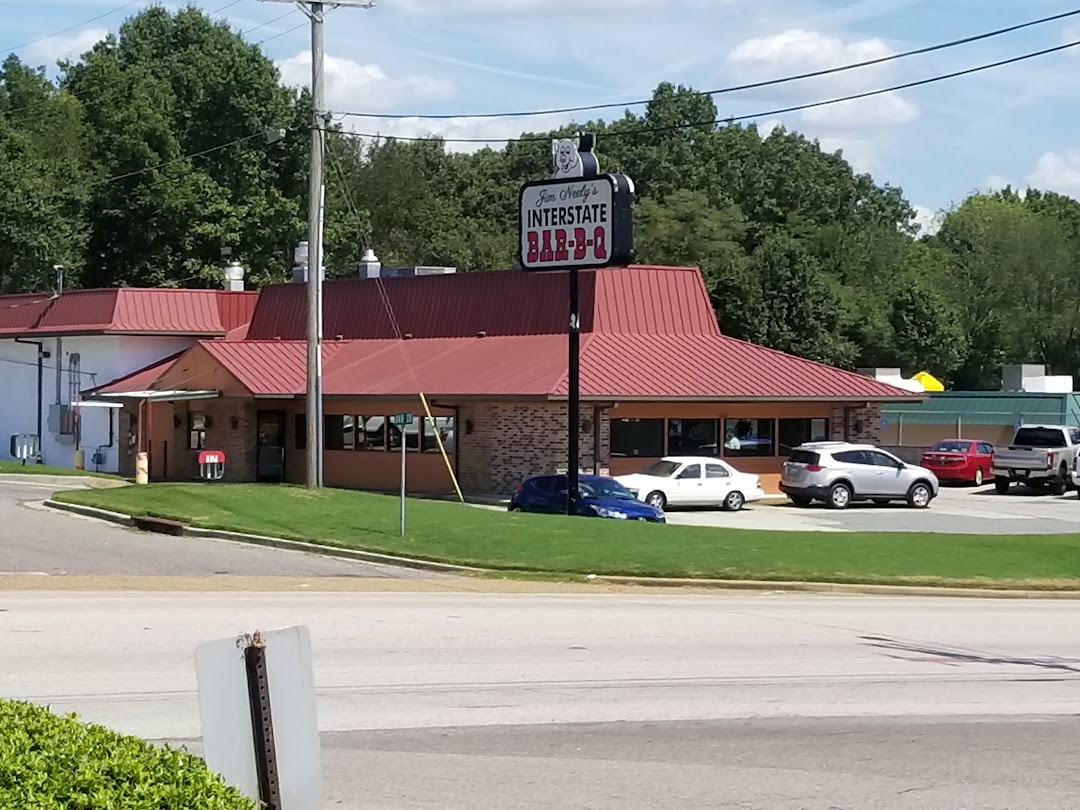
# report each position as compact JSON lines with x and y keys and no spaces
{"x":745,"y":438}
{"x":794,"y":432}
{"x":196,"y":430}
{"x":411,"y":434}
{"x":637,"y":437}
{"x":691,"y":437}
{"x":300,"y":432}
{"x":338,"y":432}
{"x":371,"y":432}
{"x":443,"y":428}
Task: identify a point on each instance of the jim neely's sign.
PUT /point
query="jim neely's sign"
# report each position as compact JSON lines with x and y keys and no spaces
{"x":576,"y":220}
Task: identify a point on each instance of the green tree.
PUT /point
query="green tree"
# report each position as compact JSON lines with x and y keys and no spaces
{"x":43,"y":148}
{"x":161,"y":100}
{"x":794,"y":307}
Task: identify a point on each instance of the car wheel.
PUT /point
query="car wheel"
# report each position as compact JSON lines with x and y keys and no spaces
{"x":656,"y":499}
{"x":979,"y":477}
{"x":1001,"y":486}
{"x":802,"y":502}
{"x":734,"y":502}
{"x":1057,"y":485}
{"x":839,"y":496}
{"x":919,"y":496}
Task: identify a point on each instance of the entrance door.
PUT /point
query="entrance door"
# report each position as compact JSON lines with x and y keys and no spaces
{"x":270,"y":446}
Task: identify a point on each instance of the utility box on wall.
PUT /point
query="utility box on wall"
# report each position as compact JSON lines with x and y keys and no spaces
{"x":61,"y":422}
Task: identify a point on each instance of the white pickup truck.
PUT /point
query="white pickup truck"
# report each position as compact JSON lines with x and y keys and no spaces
{"x":1039,"y":456}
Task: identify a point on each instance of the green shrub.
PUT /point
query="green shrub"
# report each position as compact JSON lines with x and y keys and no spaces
{"x":49,"y":762}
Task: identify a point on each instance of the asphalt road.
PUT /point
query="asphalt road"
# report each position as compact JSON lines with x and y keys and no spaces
{"x":959,"y":510}
{"x":476,"y":701}
{"x":41,"y":541}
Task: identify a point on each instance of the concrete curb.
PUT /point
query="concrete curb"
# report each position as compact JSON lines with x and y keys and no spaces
{"x":272,"y":542}
{"x":330,"y":551}
{"x":836,"y":588}
{"x":91,"y":512}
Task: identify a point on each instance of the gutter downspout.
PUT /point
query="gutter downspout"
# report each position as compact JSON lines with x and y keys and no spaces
{"x":41,"y":355}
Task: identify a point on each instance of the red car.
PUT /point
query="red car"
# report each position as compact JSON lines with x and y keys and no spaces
{"x":960,"y":460}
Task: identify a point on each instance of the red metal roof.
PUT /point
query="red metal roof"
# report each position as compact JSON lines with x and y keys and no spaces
{"x":129,"y":310}
{"x":267,"y":367}
{"x":235,"y":309}
{"x":712,"y":367}
{"x":140,"y":380}
{"x":704,"y":367}
{"x":653,"y":301}
{"x":641,"y":300}
{"x":19,"y":313}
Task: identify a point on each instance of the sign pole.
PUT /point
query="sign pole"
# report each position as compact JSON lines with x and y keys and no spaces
{"x":576,"y":220}
{"x":402,"y":528}
{"x":573,"y":405}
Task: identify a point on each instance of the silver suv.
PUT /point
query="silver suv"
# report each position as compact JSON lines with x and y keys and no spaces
{"x":839,"y":473}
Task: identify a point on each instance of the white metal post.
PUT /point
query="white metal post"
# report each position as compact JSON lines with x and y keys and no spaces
{"x":402,"y":529}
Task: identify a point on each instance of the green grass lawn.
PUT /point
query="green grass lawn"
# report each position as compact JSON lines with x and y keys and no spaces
{"x":451,"y":532}
{"x":16,"y":467}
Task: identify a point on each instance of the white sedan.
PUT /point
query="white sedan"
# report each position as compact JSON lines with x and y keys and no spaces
{"x":693,"y":481}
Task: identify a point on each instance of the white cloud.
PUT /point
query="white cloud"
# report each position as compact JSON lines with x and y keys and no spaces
{"x":861,"y":128}
{"x":552,"y":9}
{"x":861,"y":114}
{"x":927,"y":220}
{"x":56,"y":48}
{"x":1058,"y":171}
{"x":997,"y":182}
{"x":351,"y":86}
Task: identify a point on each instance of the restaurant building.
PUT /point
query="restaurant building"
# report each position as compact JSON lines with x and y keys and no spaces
{"x":488,"y":354}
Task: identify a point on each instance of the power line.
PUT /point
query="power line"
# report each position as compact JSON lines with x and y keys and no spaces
{"x":283,"y":33}
{"x":72,"y":28}
{"x":737,"y":118}
{"x":269,"y":22}
{"x":101,"y":17}
{"x":738,"y":88}
{"x":613,"y":134}
{"x":177,"y":55}
{"x":106,"y":180}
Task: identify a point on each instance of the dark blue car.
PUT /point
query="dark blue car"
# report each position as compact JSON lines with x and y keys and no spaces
{"x":600,"y":497}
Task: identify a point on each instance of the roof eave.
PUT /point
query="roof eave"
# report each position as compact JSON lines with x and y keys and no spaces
{"x":723,"y":398}
{"x":105,"y":332}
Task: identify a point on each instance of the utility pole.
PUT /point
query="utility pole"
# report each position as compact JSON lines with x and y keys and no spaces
{"x":316,"y":12}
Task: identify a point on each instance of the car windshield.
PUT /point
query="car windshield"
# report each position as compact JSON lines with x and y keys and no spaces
{"x":950,"y":447}
{"x":605,"y":488}
{"x":1040,"y":437}
{"x":661,"y":469}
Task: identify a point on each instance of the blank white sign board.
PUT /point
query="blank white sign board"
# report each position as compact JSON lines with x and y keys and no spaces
{"x":228,"y":743}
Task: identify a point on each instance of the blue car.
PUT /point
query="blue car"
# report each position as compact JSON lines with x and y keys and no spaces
{"x":600,"y":497}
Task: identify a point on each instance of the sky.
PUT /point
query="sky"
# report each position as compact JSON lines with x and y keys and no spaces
{"x":1016,"y":124}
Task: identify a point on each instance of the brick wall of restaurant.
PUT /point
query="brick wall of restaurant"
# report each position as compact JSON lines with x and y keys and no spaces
{"x":511,"y":441}
{"x":232,"y":430}
{"x":237,"y":442}
{"x":863,"y":425}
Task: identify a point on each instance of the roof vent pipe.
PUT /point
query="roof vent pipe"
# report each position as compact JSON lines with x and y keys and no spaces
{"x":234,"y":277}
{"x":370,"y":266}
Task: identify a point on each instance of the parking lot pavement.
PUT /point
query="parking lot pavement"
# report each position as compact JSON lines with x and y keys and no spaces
{"x":41,"y":541}
{"x":958,"y":510}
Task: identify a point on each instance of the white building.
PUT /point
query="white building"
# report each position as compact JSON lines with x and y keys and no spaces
{"x":52,"y":347}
